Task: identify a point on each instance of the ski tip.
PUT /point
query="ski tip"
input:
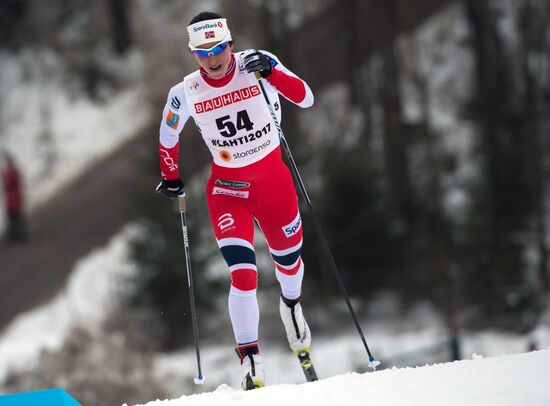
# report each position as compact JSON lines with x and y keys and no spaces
{"x":199,"y":380}
{"x":373,"y":363}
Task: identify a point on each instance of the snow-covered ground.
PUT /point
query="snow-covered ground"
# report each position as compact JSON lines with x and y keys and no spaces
{"x":512,"y":380}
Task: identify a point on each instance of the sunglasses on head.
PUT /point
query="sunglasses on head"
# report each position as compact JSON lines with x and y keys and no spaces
{"x":215,"y":50}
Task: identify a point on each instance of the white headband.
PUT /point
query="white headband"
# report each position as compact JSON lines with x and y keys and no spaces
{"x":203,"y":32}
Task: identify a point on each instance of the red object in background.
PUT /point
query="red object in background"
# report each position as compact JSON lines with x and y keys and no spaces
{"x":12,"y":187}
{"x":16,"y":231}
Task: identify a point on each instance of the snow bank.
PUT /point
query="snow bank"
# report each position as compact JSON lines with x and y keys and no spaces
{"x":520,"y":379}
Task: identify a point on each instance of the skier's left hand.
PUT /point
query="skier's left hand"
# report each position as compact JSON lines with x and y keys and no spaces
{"x":255,"y":61}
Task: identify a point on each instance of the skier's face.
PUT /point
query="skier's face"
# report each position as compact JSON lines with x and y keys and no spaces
{"x":215,"y":65}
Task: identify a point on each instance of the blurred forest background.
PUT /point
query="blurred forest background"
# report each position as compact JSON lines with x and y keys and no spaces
{"x":426,"y":155}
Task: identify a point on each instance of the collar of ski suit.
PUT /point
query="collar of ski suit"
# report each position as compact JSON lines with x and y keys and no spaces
{"x":224,"y":80}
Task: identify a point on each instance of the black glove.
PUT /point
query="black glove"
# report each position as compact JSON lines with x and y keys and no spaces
{"x":171,"y":188}
{"x":255,"y":61}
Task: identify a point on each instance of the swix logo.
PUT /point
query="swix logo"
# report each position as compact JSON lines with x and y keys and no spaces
{"x":168,"y":161}
{"x":292,"y":228}
{"x":185,"y":237}
{"x":226,"y":99}
{"x":225,"y":220}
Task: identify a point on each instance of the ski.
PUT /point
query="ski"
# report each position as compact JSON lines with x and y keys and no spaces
{"x":307,"y":365}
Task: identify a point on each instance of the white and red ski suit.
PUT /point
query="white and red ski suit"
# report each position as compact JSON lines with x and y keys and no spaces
{"x":249,"y":179}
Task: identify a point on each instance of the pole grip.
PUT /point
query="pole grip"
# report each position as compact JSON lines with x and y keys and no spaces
{"x":181,"y":203}
{"x":258,"y":76}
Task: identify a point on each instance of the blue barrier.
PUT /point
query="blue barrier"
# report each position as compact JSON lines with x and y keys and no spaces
{"x":47,"y":397}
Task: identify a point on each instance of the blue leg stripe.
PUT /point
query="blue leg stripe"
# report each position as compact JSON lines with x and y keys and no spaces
{"x":237,"y":254}
{"x":288,"y":259}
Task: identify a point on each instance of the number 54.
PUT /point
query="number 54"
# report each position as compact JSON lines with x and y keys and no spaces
{"x":229,"y":129}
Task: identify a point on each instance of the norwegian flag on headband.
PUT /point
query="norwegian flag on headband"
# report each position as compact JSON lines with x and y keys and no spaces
{"x":209,"y":34}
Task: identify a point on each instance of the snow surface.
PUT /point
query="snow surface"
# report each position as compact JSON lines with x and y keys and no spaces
{"x":510,"y":380}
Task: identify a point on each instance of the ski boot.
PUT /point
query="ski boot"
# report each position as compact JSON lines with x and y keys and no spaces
{"x":297,"y":330}
{"x":251,"y":363}
{"x":298,"y":334}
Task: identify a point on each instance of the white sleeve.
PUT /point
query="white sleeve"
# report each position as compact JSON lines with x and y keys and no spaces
{"x":174,"y":116}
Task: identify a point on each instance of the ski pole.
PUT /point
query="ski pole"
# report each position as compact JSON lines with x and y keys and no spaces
{"x":373,"y":363}
{"x":199,"y":379}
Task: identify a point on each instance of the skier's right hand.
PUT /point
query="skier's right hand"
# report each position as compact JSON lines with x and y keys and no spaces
{"x":171,"y":188}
